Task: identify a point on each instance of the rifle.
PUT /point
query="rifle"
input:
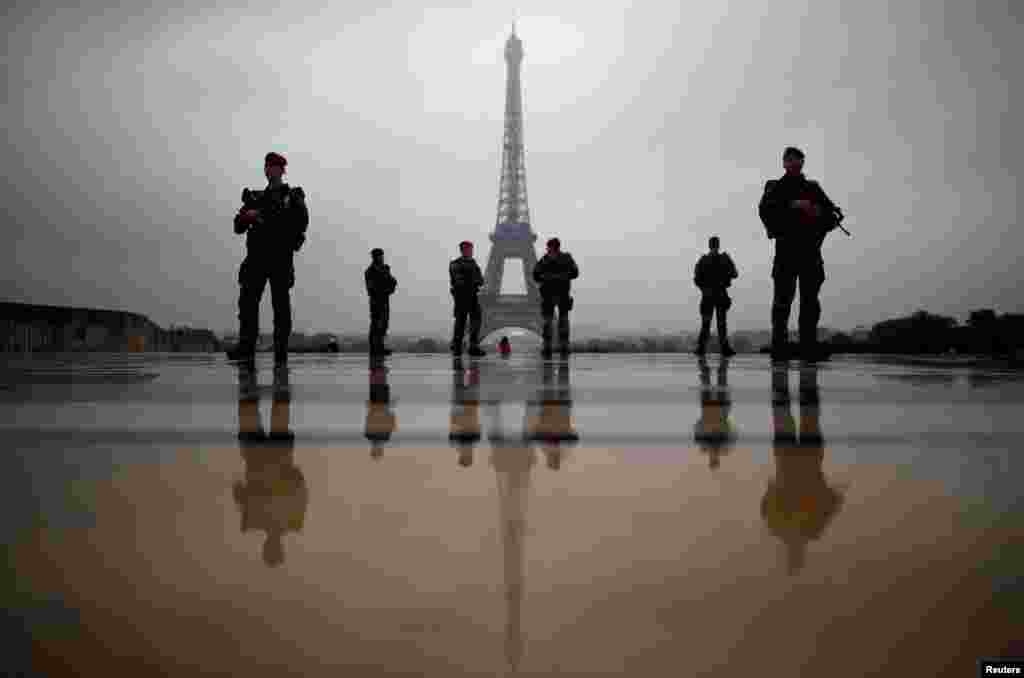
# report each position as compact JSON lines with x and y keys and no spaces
{"x":837,"y":216}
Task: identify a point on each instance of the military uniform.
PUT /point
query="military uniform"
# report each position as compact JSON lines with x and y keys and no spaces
{"x":380,"y":285}
{"x":713,"y":274}
{"x":554,"y":274}
{"x":270,"y":246}
{"x":466,"y":279}
{"x":798,"y":239}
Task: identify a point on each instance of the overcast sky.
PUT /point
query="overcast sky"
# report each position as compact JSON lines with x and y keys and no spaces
{"x":129,"y":135}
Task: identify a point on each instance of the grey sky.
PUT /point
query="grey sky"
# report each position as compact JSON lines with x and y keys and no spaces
{"x":129,"y":136}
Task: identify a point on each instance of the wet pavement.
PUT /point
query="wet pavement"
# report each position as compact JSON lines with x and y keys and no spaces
{"x":605,"y":515}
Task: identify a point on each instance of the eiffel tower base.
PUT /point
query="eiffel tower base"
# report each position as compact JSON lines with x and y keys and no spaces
{"x":510,"y":310}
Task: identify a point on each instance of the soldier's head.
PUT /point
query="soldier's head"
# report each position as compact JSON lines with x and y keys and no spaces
{"x":554,"y":245}
{"x":793,"y":160}
{"x":273,"y":165}
{"x":714,"y":243}
{"x":466,"y":247}
{"x":377,"y":254}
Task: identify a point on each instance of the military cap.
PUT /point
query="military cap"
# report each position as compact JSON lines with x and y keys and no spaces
{"x":275,"y":159}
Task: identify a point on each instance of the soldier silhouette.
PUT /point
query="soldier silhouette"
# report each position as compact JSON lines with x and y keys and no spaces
{"x":381,"y":421}
{"x":714,"y":432}
{"x":273,"y":497}
{"x":274,"y":222}
{"x":713,"y":275}
{"x":466,"y":279}
{"x":798,"y":504}
{"x":554,"y":273}
{"x":798,"y":215}
{"x":464,"y":428}
{"x":552,"y":427}
{"x":380,"y":285}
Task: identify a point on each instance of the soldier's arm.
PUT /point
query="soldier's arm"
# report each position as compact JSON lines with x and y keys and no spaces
{"x":392,"y":281}
{"x":452,"y":274}
{"x":574,"y":271}
{"x":538,"y":271}
{"x":240,"y":226}
{"x":478,"y":276}
{"x":769,"y":207}
{"x":733,"y":273}
{"x":697,"y":272}
{"x":369,"y":281}
{"x":300,"y":215}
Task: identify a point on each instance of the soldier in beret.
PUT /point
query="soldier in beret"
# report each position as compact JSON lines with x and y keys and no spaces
{"x":274,"y":221}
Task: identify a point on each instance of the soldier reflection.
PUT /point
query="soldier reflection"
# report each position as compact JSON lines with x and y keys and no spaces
{"x":273,"y":497}
{"x":798,"y":505}
{"x":464,"y":430}
{"x":714,"y":432}
{"x":381,"y":421}
{"x":552,"y":428}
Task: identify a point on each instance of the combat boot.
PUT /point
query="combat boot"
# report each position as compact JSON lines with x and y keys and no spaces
{"x":728,"y":351}
{"x":455,"y":348}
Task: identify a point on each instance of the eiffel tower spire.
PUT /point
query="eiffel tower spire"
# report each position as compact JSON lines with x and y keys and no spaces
{"x":513,"y":207}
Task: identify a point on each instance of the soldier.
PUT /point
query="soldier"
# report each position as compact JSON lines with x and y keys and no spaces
{"x":798,"y":504}
{"x":380,"y":285}
{"x":466,"y":280}
{"x":714,"y":274}
{"x":273,"y":499}
{"x":554,"y":273}
{"x":798,"y":215}
{"x":274,"y":221}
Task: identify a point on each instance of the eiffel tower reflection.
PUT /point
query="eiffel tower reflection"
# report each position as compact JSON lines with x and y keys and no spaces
{"x":513,"y":458}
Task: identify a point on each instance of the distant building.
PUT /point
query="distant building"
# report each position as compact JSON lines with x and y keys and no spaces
{"x":28,"y":328}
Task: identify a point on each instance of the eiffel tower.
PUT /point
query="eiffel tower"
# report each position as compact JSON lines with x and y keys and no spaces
{"x":513,"y":237}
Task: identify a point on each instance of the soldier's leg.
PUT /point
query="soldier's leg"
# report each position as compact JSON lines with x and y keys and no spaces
{"x":281,"y":281}
{"x":547,"y":312}
{"x":782,"y":302}
{"x":374,"y":323}
{"x":810,"y":307}
{"x":460,"y":325}
{"x":564,"y":306}
{"x":252,"y":280}
{"x":475,"y":319}
{"x":722,"y":305}
{"x":706,"y":309}
{"x":723,"y":331}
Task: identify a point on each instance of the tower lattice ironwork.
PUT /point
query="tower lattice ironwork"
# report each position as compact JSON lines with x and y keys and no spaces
{"x":513,"y":236}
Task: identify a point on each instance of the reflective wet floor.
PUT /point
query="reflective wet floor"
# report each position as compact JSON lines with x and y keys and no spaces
{"x":604,"y":515}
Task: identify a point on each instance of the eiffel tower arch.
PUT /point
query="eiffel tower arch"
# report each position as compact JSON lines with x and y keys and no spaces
{"x":513,"y":236}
